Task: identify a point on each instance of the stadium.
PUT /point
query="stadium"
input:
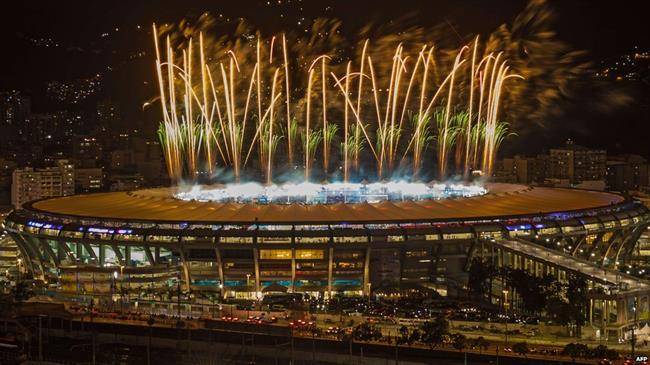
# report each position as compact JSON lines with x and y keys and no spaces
{"x":149,"y":241}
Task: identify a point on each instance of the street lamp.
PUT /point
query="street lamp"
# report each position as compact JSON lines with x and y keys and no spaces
{"x":122,"y":288}
{"x":113,"y":289}
{"x":248,"y":284}
{"x":19,"y":262}
{"x":505,"y":308}
{"x":633,"y":341}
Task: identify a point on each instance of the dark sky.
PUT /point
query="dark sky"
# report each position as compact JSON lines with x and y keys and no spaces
{"x":605,"y":29}
{"x":597,"y":26}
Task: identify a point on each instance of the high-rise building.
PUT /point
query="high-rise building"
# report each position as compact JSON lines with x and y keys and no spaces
{"x":627,"y":172}
{"x":518,"y":169}
{"x":87,"y":151}
{"x":89,"y":180}
{"x":31,"y":184}
{"x":577,"y":163}
{"x":14,"y":112}
{"x":522,"y":170}
{"x":122,"y":159}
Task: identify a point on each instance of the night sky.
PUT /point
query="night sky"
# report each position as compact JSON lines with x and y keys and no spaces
{"x":64,"y":40}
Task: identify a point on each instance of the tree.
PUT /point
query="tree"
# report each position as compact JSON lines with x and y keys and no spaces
{"x":479,"y":273}
{"x":414,"y":336}
{"x":366,"y":332}
{"x":21,"y":292}
{"x":521,"y":348}
{"x":403,"y":335}
{"x":459,"y":341}
{"x":576,"y":294}
{"x":435,"y":330}
{"x":602,"y":352}
{"x":532,"y":290}
{"x":481,"y":343}
{"x":575,"y":350}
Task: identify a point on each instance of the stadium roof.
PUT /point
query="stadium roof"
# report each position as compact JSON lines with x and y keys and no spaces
{"x":503,"y":200}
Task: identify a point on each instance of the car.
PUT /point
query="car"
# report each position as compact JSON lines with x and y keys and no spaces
{"x":333,"y":330}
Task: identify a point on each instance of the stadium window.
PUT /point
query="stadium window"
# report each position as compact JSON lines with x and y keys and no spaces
{"x":275,"y":254}
{"x":310,"y":254}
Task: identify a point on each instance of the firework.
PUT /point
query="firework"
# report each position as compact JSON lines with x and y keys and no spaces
{"x":244,"y":100}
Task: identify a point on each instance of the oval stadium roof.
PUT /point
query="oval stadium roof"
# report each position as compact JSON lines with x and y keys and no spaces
{"x":503,"y":200}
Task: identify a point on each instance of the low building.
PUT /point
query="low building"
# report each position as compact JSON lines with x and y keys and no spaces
{"x":126,"y":182}
{"x":31,"y":184}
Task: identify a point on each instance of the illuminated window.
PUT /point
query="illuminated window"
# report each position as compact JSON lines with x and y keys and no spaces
{"x":127,"y":237}
{"x":310,"y":254}
{"x":236,"y":240}
{"x":457,"y":236}
{"x":492,"y":234}
{"x":549,"y":230}
{"x":418,"y":253}
{"x":156,"y":238}
{"x":609,"y":224}
{"x":350,"y":239}
{"x":275,"y":254}
{"x":348,"y":265}
{"x":568,"y":229}
{"x":607,"y":236}
{"x":50,"y":232}
{"x":592,"y":226}
{"x":519,"y":232}
{"x":312,"y":239}
{"x":273,"y":239}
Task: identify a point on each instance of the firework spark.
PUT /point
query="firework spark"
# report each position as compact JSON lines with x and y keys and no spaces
{"x":209,"y":117}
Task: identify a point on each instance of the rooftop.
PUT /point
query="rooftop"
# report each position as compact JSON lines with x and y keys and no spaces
{"x":503,"y":200}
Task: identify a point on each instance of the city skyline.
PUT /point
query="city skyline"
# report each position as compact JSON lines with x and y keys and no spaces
{"x":102,"y":63}
{"x":325,"y":182}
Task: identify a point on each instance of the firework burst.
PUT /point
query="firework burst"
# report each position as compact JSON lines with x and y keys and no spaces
{"x":265,"y":96}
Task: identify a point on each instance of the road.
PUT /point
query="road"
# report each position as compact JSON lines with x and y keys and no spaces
{"x":603,"y":275}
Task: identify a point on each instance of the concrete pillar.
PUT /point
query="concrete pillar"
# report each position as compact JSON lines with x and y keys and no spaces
{"x":256,"y":259}
{"x":605,"y":319}
{"x":293,"y":269}
{"x":127,"y":255}
{"x":366,"y":273}
{"x":330,"y":266}
{"x":222,"y":285}
{"x":102,"y":255}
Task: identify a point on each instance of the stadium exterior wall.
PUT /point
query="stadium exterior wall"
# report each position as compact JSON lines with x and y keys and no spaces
{"x":95,"y":256}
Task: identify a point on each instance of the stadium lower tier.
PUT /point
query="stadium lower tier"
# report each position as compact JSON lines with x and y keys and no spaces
{"x":104,"y":256}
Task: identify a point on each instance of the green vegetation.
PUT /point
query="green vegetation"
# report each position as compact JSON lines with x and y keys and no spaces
{"x":579,"y":350}
{"x":562,"y":302}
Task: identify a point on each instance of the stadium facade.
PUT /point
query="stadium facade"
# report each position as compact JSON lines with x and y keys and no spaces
{"x":147,"y":241}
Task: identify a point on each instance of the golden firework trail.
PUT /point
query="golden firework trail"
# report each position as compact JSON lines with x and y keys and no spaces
{"x":209,"y":117}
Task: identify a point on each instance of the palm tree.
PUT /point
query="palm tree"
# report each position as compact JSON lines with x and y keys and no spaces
{"x":434,"y":331}
{"x":521,"y":348}
{"x":459,"y":342}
